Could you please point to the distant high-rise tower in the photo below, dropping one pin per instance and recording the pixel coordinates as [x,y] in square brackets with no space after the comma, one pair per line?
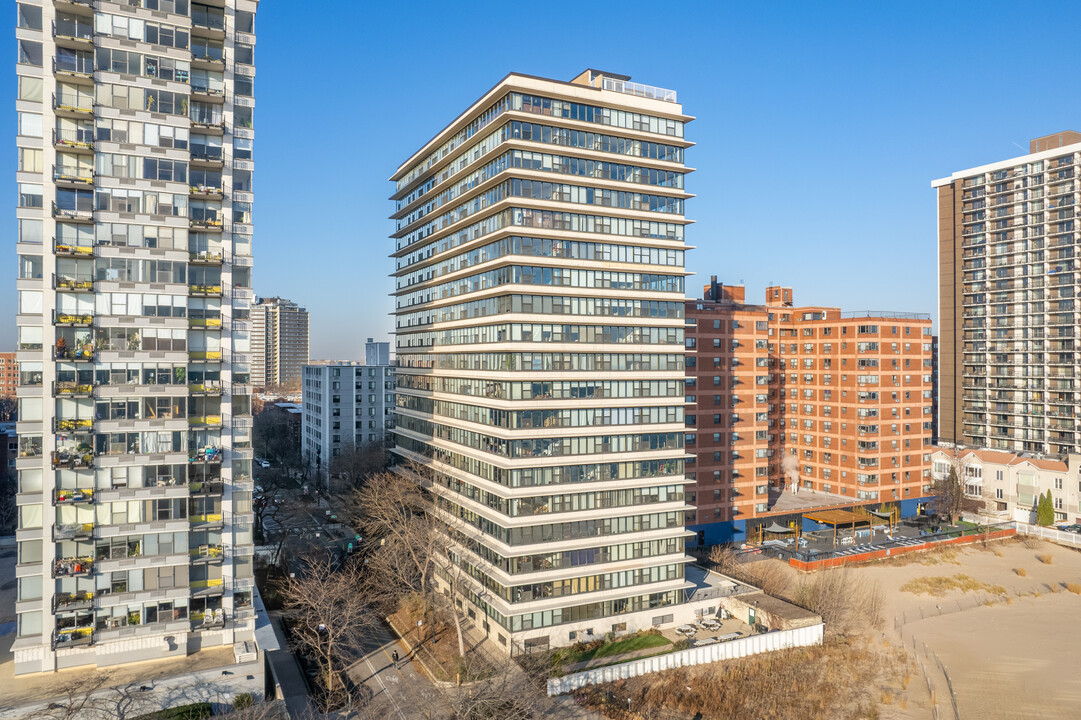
[280,340]
[1008,249]
[135,255]
[376,353]
[540,359]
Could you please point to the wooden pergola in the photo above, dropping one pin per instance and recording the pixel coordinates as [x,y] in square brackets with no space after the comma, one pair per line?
[839,518]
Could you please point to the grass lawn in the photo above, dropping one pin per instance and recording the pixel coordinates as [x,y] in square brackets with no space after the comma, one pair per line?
[618,647]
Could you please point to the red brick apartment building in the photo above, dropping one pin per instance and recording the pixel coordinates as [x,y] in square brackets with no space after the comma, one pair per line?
[838,404]
[9,374]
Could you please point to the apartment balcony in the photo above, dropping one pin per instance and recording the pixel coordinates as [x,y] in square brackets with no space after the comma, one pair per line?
[205,93]
[72,425]
[205,290]
[205,455]
[204,322]
[208,22]
[72,389]
[69,602]
[75,637]
[204,421]
[75,531]
[206,588]
[205,191]
[208,122]
[204,156]
[205,388]
[66,250]
[208,521]
[208,58]
[77,34]
[79,141]
[206,257]
[73,283]
[73,177]
[81,214]
[204,620]
[213,486]
[73,459]
[207,554]
[204,355]
[83,353]
[80,69]
[206,223]
[80,496]
[73,567]
[72,320]
[83,7]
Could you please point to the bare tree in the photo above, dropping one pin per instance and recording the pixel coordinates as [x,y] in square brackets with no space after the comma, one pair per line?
[93,697]
[8,487]
[948,491]
[329,611]
[499,695]
[772,577]
[355,463]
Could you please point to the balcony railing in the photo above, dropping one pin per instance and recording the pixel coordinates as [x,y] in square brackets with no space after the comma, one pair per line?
[207,618]
[73,175]
[206,454]
[82,353]
[204,289]
[208,487]
[204,421]
[75,531]
[210,387]
[73,458]
[81,66]
[66,602]
[72,320]
[73,283]
[84,213]
[74,637]
[73,497]
[207,552]
[73,567]
[632,88]
[73,250]
[205,322]
[77,139]
[66,29]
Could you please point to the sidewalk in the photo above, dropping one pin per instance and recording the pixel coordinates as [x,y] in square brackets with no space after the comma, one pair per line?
[562,707]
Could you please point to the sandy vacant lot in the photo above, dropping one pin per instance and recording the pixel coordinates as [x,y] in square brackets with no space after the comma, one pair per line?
[1015,658]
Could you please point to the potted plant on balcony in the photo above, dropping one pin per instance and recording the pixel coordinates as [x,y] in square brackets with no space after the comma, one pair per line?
[61,347]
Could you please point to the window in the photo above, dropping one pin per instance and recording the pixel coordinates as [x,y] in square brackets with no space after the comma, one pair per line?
[30,52]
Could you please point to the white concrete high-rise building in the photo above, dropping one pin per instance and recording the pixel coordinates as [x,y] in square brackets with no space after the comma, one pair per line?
[135,192]
[279,342]
[540,352]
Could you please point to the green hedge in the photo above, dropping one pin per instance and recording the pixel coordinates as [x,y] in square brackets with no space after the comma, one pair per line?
[195,711]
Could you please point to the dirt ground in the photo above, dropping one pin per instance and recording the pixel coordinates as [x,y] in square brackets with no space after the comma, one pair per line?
[1014,658]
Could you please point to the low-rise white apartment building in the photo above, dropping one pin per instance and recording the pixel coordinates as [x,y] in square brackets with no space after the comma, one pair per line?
[344,405]
[1010,484]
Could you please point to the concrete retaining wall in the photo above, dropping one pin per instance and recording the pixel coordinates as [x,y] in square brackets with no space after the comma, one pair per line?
[744,647]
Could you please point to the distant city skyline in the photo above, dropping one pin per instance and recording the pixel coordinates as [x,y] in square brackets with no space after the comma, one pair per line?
[820,128]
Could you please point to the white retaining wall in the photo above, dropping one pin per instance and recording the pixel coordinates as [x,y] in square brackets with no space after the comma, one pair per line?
[753,645]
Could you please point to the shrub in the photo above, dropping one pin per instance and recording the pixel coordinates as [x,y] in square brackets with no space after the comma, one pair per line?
[243,701]
[1074,588]
[1021,572]
[1045,559]
[194,711]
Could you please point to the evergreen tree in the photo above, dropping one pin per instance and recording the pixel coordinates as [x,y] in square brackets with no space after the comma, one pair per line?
[1045,510]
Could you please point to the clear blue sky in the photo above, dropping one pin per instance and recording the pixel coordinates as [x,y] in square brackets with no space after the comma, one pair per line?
[820,126]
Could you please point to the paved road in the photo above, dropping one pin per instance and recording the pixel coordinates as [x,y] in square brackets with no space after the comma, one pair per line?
[401,692]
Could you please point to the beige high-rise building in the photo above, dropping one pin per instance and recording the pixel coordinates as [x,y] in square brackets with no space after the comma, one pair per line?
[540,360]
[1008,277]
[134,242]
[279,342]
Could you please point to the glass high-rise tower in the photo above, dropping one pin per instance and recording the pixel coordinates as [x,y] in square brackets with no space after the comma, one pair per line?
[134,215]
[540,285]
